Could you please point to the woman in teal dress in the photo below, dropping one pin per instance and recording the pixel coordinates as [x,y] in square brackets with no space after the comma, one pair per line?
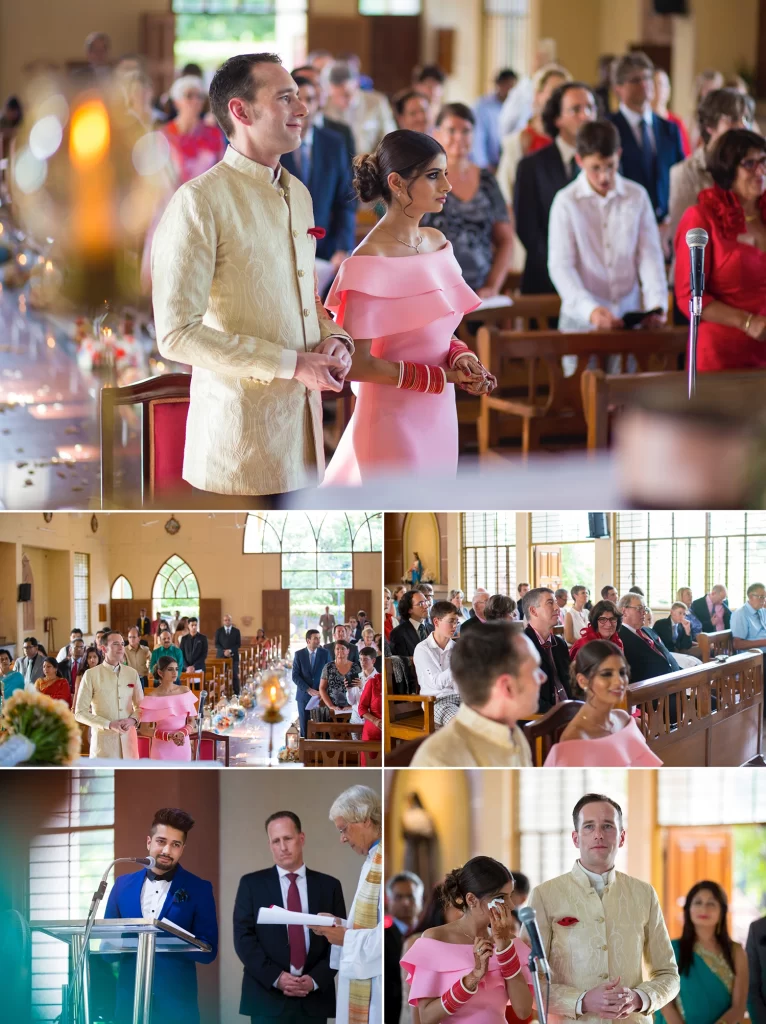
[712,967]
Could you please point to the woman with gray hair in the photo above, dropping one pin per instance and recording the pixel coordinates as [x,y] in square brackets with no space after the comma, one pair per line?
[357,952]
[456,597]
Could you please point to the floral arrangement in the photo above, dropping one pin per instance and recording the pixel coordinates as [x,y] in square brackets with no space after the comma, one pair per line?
[286,755]
[34,727]
[245,700]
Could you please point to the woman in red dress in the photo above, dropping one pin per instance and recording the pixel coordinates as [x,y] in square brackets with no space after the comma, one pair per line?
[371,709]
[52,684]
[195,146]
[603,622]
[733,327]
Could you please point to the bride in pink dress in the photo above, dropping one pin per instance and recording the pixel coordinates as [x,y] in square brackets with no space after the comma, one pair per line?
[602,734]
[401,296]
[471,968]
[171,708]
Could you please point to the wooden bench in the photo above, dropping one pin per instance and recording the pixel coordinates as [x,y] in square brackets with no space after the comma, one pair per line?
[710,733]
[543,731]
[711,645]
[559,408]
[605,395]
[335,730]
[339,753]
[406,716]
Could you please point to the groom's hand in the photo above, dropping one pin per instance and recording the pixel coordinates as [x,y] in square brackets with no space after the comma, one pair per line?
[335,347]
[609,1000]
[319,372]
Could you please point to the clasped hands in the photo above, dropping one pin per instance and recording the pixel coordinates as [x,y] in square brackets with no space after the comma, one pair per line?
[471,376]
[325,367]
[123,724]
[295,985]
[612,1001]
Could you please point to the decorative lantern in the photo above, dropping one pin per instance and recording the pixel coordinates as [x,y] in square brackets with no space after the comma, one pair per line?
[292,737]
[271,696]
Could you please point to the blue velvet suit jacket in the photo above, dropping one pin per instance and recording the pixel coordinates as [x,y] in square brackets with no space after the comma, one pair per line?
[329,183]
[190,904]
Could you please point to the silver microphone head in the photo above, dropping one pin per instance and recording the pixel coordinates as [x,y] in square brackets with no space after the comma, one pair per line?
[525,914]
[150,861]
[696,238]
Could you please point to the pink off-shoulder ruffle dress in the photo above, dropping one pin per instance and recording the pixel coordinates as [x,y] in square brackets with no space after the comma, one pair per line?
[409,307]
[169,714]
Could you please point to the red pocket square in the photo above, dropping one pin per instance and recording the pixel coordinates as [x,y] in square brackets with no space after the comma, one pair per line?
[317,233]
[567,922]
[131,685]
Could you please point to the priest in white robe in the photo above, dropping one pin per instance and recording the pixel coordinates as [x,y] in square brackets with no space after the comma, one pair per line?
[357,944]
[234,297]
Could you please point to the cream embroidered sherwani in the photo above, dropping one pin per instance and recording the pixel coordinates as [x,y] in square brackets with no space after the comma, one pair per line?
[233,287]
[613,935]
[470,739]
[103,697]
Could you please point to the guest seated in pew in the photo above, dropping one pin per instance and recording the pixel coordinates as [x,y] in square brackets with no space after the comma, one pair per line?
[576,618]
[648,618]
[561,597]
[676,633]
[475,218]
[52,683]
[498,675]
[645,652]
[338,677]
[172,709]
[604,252]
[604,621]
[733,212]
[432,662]
[10,679]
[712,610]
[609,593]
[412,628]
[411,110]
[541,613]
[602,734]
[685,594]
[748,623]
[456,598]
[341,633]
[496,608]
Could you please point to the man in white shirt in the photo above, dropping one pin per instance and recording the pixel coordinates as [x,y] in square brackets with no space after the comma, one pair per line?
[498,675]
[290,979]
[75,634]
[599,927]
[432,661]
[604,252]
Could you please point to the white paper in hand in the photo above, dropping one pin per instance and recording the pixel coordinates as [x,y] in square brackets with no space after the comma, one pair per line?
[278,915]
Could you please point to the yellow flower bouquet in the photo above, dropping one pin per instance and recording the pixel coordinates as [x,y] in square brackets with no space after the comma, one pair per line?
[34,727]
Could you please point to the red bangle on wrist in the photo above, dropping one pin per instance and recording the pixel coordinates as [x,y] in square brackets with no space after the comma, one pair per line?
[456,350]
[456,997]
[430,380]
[510,965]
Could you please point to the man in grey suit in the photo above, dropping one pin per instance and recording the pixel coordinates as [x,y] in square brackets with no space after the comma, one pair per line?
[31,664]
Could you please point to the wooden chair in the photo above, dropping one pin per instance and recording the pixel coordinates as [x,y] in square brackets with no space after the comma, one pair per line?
[195,680]
[711,645]
[412,719]
[559,409]
[218,672]
[164,402]
[210,742]
[546,730]
[339,753]
[605,395]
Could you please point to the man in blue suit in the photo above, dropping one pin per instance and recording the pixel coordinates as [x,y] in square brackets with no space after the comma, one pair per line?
[650,144]
[323,165]
[167,892]
[307,671]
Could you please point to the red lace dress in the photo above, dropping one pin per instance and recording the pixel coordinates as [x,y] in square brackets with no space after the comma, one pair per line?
[735,273]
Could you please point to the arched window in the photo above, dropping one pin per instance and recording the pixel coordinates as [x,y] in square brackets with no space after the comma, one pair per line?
[175,588]
[317,548]
[121,589]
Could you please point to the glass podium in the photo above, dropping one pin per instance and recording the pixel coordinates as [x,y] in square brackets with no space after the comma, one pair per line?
[145,938]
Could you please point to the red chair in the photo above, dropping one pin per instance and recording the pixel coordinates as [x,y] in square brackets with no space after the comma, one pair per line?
[144,746]
[164,402]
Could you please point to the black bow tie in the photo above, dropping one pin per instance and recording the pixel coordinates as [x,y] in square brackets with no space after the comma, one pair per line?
[166,877]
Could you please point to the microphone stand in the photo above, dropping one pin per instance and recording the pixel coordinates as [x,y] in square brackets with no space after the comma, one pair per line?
[695,312]
[542,1010]
[200,708]
[77,979]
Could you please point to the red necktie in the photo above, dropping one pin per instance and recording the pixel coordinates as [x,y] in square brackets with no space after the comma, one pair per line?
[295,933]
[646,639]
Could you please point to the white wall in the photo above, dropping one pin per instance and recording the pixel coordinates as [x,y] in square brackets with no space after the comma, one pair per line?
[247,799]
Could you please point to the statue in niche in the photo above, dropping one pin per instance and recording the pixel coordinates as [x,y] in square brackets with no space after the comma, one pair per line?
[420,841]
[416,571]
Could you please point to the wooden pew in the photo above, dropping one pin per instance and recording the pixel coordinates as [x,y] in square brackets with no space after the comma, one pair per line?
[335,730]
[543,731]
[339,753]
[194,680]
[413,718]
[605,395]
[712,645]
[218,673]
[560,408]
[729,736]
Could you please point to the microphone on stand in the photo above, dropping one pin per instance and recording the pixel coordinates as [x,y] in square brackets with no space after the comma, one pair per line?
[537,960]
[98,895]
[200,709]
[696,239]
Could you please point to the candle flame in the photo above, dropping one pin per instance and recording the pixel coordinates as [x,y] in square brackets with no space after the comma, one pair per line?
[273,693]
[89,134]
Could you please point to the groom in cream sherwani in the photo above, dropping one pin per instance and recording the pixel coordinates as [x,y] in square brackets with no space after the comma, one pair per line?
[108,700]
[598,926]
[234,296]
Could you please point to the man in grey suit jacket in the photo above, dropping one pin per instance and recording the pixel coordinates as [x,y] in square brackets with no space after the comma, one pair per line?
[31,664]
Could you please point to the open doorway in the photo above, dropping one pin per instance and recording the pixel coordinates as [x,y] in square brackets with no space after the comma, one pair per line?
[306,608]
[565,565]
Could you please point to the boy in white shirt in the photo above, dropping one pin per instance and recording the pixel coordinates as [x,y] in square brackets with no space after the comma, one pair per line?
[432,662]
[604,251]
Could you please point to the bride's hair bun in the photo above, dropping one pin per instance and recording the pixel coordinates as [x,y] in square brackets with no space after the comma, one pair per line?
[368,184]
[450,891]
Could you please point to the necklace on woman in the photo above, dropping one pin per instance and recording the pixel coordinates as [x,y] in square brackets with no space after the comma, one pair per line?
[417,245]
